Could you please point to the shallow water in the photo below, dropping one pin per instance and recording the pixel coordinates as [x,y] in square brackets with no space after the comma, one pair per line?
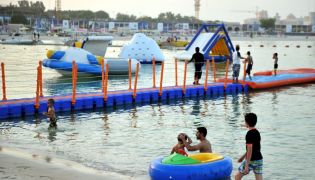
[126,139]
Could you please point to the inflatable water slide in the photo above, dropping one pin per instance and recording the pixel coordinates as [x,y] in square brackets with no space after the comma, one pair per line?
[216,44]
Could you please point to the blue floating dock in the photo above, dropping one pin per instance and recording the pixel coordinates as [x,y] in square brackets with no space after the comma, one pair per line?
[16,108]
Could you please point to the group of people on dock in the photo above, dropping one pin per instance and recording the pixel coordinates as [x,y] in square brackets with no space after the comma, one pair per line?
[251,160]
[199,59]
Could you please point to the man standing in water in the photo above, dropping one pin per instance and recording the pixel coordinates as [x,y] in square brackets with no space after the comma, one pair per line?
[204,146]
[199,61]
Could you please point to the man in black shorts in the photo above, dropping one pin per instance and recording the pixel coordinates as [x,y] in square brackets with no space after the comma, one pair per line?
[199,61]
[275,67]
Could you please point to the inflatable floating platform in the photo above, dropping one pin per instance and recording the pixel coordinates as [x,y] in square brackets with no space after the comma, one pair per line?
[201,166]
[266,79]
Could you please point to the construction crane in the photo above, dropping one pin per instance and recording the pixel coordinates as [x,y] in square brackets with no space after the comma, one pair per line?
[247,11]
[197,8]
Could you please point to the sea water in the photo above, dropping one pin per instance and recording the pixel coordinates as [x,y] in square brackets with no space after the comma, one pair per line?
[127,138]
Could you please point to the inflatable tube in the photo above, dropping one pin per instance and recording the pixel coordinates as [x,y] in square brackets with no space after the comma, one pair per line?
[87,62]
[218,169]
[61,66]
[116,66]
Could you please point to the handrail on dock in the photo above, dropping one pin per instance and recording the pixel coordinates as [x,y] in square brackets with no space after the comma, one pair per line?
[4,96]
[161,79]
[129,74]
[226,72]
[185,74]
[153,72]
[135,83]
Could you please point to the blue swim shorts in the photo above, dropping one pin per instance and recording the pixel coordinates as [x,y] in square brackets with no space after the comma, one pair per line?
[256,166]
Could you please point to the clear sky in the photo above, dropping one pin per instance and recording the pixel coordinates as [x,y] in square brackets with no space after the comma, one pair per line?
[225,10]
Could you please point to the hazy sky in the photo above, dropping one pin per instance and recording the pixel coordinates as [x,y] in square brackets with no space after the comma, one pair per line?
[226,10]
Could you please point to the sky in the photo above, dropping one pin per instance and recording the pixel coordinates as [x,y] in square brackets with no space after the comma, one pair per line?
[223,10]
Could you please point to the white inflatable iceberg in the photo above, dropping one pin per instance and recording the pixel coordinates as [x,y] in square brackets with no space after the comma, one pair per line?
[142,48]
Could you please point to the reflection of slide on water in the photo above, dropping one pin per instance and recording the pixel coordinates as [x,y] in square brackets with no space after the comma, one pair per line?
[201,41]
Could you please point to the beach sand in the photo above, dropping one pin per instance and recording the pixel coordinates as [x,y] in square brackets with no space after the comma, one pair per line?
[18,165]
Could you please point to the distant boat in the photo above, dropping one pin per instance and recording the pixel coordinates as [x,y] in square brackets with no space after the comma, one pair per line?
[18,41]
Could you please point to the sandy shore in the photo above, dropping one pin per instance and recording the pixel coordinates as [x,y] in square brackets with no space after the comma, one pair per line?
[23,166]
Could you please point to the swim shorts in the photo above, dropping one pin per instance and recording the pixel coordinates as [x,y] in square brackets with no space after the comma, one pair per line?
[256,166]
[236,70]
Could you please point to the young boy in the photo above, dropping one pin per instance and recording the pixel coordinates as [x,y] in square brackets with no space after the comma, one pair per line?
[180,146]
[250,62]
[51,114]
[252,159]
[275,67]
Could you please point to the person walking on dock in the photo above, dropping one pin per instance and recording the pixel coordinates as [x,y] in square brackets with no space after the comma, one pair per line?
[236,63]
[199,60]
[250,62]
[275,66]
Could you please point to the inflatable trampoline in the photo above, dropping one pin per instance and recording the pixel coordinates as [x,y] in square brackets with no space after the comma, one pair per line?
[266,79]
[201,166]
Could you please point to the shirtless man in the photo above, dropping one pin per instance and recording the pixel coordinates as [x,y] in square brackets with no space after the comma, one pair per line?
[204,146]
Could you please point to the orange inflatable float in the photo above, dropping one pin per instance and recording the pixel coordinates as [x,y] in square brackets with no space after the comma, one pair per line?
[266,79]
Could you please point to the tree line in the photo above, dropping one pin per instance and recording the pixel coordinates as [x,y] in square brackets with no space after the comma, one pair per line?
[25,9]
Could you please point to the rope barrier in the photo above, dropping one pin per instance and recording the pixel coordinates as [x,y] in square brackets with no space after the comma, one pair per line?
[206,78]
[176,74]
[214,70]
[129,74]
[185,74]
[37,90]
[244,77]
[40,79]
[74,80]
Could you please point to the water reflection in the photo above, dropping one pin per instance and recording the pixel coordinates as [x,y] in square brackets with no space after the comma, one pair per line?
[52,133]
[106,127]
[134,117]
